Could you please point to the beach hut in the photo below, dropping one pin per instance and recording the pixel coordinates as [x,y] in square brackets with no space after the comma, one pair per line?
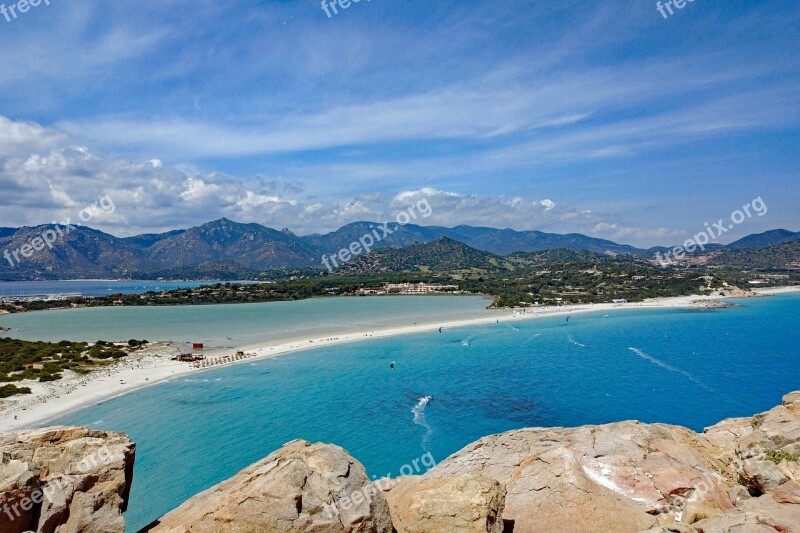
[197,346]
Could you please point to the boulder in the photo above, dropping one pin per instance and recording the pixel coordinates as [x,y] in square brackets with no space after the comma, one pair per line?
[787,493]
[64,480]
[622,477]
[300,488]
[467,504]
[756,515]
[752,446]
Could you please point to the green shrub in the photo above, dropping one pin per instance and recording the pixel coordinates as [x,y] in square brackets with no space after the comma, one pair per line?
[7,391]
[778,456]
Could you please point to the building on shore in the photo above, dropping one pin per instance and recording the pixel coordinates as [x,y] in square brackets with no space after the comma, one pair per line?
[418,288]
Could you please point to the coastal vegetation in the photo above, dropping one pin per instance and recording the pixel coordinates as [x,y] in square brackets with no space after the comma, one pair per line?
[7,391]
[785,256]
[46,361]
[522,279]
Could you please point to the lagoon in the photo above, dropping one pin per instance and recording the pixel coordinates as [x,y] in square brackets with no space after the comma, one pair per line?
[225,327]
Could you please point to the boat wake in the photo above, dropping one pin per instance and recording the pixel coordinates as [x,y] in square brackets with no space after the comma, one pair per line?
[465,342]
[419,419]
[512,327]
[670,368]
[576,343]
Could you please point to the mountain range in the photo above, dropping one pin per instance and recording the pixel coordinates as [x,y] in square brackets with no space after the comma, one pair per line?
[225,249]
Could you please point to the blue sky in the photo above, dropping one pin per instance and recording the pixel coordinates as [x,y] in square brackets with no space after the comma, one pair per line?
[597,117]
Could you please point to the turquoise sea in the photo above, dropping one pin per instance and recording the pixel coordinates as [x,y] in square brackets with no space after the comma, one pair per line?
[450,389]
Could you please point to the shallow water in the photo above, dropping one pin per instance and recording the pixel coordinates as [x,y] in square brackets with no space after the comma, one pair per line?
[228,326]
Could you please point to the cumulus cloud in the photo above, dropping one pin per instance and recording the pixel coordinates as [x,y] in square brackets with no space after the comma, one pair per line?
[452,209]
[633,234]
[47,176]
[547,204]
[20,136]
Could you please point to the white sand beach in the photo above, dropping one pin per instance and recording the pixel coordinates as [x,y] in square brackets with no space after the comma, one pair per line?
[776,290]
[155,364]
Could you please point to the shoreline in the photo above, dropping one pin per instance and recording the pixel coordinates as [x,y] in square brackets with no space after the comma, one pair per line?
[154,366]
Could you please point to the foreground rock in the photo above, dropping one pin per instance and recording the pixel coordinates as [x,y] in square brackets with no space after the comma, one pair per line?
[616,476]
[301,487]
[470,504]
[60,480]
[740,475]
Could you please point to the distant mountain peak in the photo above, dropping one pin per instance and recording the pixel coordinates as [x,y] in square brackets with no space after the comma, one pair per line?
[220,222]
[441,254]
[765,239]
[215,245]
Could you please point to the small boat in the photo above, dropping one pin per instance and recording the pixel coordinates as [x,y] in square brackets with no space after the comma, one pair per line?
[391,365]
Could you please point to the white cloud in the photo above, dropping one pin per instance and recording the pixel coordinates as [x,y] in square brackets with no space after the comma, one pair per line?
[197,189]
[546,203]
[48,177]
[21,136]
[452,209]
[665,236]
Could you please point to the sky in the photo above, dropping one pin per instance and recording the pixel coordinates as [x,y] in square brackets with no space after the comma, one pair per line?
[603,118]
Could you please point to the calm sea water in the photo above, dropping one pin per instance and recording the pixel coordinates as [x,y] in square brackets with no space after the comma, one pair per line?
[90,287]
[452,388]
[228,326]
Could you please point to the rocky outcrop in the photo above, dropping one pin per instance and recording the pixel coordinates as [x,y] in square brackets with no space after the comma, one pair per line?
[469,504]
[740,475]
[619,475]
[760,457]
[301,487]
[64,480]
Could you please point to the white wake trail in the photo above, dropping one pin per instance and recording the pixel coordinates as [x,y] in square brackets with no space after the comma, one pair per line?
[419,419]
[665,366]
[576,343]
